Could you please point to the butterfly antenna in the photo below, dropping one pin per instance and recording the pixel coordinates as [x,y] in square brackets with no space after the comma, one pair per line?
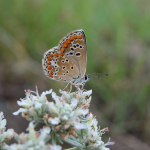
[97,75]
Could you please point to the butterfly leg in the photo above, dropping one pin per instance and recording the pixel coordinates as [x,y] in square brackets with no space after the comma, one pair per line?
[82,86]
[78,87]
[70,87]
[66,86]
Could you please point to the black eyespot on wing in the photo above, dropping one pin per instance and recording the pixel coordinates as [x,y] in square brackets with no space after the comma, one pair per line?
[77,45]
[63,67]
[71,54]
[81,46]
[72,48]
[62,61]
[67,71]
[71,67]
[67,60]
[78,54]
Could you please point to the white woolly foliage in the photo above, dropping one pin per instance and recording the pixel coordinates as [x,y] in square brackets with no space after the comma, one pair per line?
[5,136]
[66,117]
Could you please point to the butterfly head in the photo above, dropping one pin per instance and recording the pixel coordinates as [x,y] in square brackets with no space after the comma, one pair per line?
[85,78]
[81,81]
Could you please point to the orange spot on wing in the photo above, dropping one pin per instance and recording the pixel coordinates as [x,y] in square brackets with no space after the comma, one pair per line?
[61,54]
[62,50]
[75,37]
[64,45]
[49,68]
[51,74]
[80,36]
[51,55]
[71,38]
[48,63]
[68,42]
[56,54]
[49,59]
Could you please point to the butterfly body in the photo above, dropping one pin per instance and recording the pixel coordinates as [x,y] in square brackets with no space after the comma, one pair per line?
[67,61]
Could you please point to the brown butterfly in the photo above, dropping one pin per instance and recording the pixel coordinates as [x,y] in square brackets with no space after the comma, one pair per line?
[67,61]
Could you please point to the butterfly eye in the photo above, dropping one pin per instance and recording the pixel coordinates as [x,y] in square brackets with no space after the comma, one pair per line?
[85,77]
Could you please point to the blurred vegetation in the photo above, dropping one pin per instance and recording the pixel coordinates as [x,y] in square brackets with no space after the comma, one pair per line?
[118,43]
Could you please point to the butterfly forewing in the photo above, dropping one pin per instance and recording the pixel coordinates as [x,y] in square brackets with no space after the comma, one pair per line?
[73,45]
[67,61]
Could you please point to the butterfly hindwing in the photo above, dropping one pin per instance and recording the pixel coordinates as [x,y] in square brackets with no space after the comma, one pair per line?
[58,67]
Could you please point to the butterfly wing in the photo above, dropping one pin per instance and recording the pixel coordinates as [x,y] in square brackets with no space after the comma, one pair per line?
[58,66]
[73,45]
[67,61]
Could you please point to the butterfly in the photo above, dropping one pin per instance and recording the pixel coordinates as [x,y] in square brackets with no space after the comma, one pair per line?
[67,62]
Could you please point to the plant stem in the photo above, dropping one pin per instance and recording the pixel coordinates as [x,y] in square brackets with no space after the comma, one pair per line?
[53,138]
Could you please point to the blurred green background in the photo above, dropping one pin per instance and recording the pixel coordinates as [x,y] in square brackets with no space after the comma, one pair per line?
[118,43]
